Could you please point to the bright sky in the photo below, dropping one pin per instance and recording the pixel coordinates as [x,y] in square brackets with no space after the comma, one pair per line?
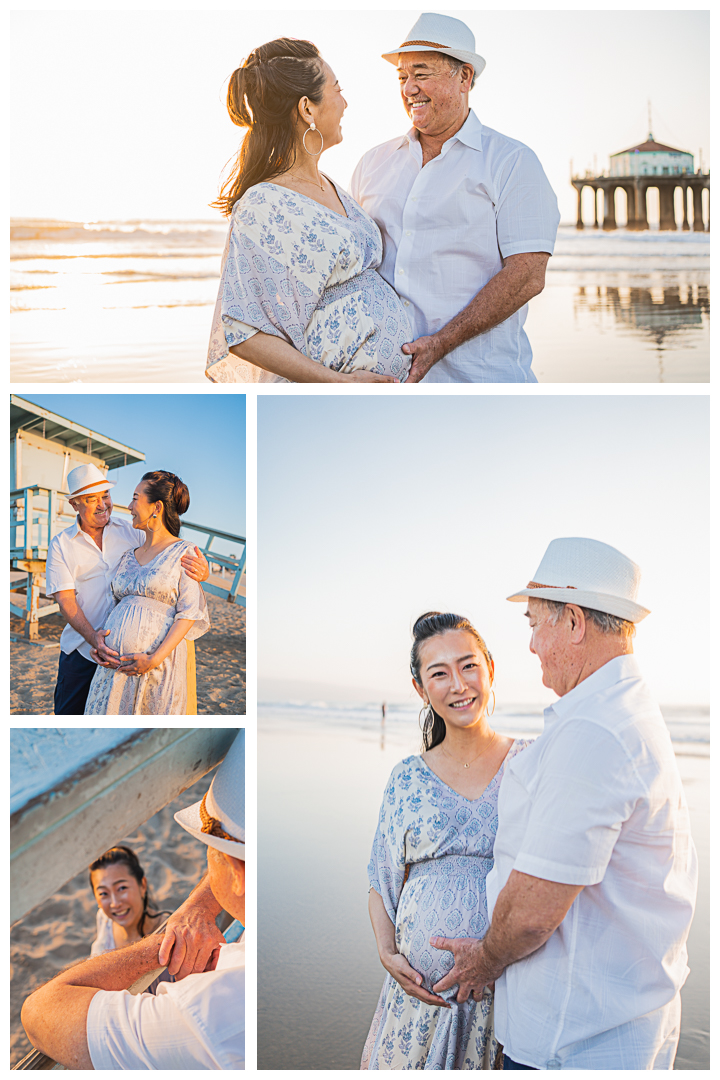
[372,510]
[199,437]
[121,114]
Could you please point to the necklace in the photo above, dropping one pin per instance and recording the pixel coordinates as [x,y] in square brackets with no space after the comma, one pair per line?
[302,180]
[467,764]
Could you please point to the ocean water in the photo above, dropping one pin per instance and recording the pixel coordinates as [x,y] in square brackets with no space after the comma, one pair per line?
[132,301]
[322,769]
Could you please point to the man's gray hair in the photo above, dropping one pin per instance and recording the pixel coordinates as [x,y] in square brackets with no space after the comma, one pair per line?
[605,623]
[455,65]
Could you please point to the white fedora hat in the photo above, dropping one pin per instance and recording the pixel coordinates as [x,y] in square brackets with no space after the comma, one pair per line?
[443,34]
[575,570]
[86,480]
[219,818]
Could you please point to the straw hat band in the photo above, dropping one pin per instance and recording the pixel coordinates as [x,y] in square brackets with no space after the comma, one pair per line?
[428,44]
[537,585]
[80,490]
[211,824]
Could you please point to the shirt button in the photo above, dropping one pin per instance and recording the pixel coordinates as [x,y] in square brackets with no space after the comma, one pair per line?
[554,1063]
[414,198]
[406,303]
[401,271]
[408,232]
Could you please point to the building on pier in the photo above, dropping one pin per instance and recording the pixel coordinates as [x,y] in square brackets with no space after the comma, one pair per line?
[647,165]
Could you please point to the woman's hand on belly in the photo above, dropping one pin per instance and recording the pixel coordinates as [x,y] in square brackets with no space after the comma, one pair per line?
[137,663]
[408,979]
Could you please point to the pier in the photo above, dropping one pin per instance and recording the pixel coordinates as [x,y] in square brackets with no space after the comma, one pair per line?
[636,189]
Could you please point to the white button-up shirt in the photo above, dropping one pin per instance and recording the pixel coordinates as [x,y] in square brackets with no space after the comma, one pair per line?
[447,228]
[74,561]
[597,801]
[198,1023]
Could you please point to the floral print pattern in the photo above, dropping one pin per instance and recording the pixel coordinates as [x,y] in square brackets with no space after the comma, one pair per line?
[148,599]
[445,842]
[297,270]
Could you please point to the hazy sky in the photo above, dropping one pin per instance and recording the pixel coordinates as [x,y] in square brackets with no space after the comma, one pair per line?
[372,510]
[121,113]
[199,437]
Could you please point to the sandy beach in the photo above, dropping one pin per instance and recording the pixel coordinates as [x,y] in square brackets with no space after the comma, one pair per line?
[320,783]
[220,660]
[60,931]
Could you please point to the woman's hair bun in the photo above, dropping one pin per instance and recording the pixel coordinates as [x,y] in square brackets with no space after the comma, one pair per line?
[181,496]
[427,615]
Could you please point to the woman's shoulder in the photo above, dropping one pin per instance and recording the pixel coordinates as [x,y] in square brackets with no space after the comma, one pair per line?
[404,770]
[518,745]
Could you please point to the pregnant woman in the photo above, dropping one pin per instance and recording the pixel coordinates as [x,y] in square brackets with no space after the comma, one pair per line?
[300,298]
[158,607]
[432,853]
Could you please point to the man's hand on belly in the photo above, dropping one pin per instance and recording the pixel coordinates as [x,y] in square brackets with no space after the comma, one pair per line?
[472,971]
[425,352]
[100,652]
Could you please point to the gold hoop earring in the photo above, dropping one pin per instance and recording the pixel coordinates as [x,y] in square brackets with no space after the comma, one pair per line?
[322,141]
[493,708]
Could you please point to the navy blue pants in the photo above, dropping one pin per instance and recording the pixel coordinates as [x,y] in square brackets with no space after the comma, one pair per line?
[508,1063]
[73,683]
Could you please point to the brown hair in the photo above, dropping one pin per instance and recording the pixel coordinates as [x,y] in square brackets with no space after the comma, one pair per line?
[427,626]
[262,95]
[167,488]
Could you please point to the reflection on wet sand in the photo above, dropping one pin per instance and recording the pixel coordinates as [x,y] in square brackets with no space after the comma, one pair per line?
[661,315]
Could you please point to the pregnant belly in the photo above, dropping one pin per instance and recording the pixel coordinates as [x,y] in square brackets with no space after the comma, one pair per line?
[442,898]
[361,324]
[136,626]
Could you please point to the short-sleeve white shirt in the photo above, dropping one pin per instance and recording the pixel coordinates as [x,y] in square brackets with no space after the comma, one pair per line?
[198,1023]
[74,561]
[597,801]
[446,229]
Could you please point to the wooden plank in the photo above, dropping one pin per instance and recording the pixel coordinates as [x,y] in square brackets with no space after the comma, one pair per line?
[54,835]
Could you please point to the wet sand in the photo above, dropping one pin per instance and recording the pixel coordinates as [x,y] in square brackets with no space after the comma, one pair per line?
[61,931]
[220,661]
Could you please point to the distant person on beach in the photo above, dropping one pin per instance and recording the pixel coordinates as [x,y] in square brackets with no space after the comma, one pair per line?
[300,299]
[432,853]
[81,564]
[158,609]
[124,914]
[85,1018]
[467,215]
[593,888]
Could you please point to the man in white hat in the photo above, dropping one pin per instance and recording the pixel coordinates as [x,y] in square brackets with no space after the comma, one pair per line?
[595,876]
[81,564]
[467,215]
[85,1018]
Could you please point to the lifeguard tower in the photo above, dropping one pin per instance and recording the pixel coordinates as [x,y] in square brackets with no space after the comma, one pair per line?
[44,447]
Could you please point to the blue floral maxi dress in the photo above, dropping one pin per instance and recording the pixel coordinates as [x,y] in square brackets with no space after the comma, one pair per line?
[297,270]
[446,842]
[148,600]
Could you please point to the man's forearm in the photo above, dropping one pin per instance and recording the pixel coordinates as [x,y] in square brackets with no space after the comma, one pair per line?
[75,616]
[503,295]
[114,970]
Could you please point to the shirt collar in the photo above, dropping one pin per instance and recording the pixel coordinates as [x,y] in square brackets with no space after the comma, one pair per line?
[74,529]
[470,133]
[616,670]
